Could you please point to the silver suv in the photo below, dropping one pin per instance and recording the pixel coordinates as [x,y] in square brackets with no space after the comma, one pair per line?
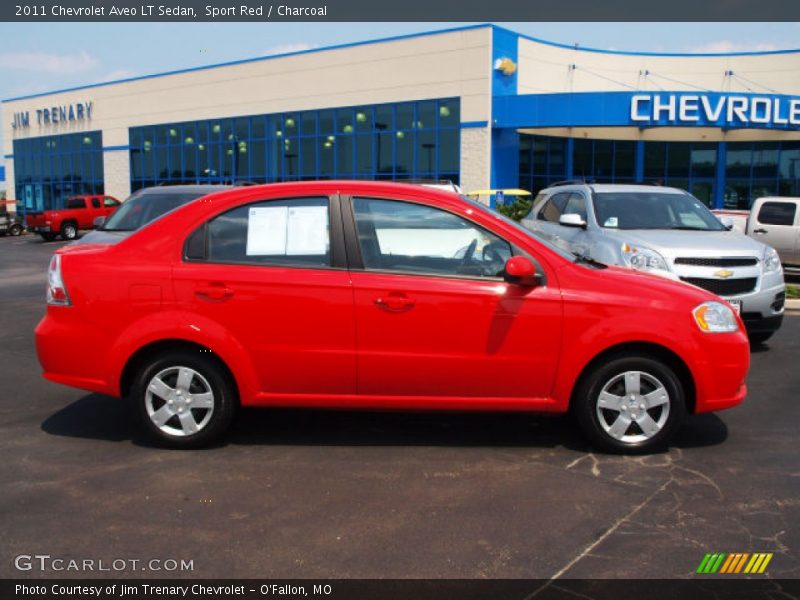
[667,232]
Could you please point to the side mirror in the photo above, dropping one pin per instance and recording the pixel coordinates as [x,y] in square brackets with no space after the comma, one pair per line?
[519,270]
[726,223]
[572,220]
[99,222]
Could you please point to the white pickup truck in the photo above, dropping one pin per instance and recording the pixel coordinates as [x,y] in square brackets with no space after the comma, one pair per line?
[773,220]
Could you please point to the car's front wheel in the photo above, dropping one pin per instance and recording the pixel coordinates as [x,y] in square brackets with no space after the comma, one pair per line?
[630,404]
[184,400]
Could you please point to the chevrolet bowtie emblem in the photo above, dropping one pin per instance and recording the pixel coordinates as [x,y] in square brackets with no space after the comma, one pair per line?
[723,273]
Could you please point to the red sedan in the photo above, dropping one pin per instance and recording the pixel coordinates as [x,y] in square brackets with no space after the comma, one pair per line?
[368,295]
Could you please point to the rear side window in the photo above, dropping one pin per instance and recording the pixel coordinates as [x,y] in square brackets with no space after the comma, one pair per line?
[76,203]
[777,213]
[95,202]
[293,232]
[554,208]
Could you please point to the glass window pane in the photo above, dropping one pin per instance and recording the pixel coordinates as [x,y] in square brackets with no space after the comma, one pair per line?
[404,153]
[624,160]
[384,117]
[426,115]
[449,150]
[308,150]
[449,115]
[704,160]
[411,238]
[364,119]
[677,160]
[364,155]
[249,234]
[738,160]
[344,156]
[426,155]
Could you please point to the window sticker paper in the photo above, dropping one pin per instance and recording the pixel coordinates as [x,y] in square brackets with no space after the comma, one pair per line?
[266,230]
[307,231]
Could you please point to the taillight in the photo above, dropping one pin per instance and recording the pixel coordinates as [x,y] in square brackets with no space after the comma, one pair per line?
[56,291]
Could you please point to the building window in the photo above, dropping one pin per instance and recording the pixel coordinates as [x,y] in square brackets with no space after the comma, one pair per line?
[47,170]
[542,161]
[384,141]
[684,165]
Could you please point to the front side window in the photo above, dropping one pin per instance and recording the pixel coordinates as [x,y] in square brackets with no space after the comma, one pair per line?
[777,213]
[554,208]
[576,205]
[411,238]
[110,202]
[281,232]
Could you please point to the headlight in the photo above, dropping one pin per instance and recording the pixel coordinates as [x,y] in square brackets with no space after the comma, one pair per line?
[715,317]
[772,261]
[643,259]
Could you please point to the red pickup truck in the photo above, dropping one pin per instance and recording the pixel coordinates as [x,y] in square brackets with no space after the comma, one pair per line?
[79,213]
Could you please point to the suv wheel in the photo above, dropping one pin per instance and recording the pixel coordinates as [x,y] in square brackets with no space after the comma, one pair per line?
[184,400]
[631,404]
[69,231]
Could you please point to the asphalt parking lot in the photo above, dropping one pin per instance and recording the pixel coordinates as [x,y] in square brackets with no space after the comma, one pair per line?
[311,494]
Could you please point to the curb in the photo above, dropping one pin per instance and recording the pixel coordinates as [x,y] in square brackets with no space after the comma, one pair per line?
[792,305]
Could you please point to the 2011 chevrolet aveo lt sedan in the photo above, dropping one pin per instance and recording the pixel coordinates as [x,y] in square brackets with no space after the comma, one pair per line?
[379,296]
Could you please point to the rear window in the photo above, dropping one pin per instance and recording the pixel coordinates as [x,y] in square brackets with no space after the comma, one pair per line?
[139,210]
[777,213]
[76,203]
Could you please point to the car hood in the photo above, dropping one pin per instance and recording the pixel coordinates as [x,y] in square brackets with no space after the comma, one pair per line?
[99,236]
[672,243]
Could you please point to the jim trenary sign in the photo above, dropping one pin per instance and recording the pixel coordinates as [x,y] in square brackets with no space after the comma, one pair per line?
[79,111]
[720,110]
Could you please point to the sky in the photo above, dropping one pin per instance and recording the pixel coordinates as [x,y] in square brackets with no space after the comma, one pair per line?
[42,57]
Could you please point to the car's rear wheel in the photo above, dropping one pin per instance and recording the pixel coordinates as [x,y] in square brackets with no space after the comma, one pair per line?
[69,231]
[15,229]
[630,404]
[184,400]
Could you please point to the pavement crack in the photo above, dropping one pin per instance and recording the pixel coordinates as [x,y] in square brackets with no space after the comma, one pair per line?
[586,551]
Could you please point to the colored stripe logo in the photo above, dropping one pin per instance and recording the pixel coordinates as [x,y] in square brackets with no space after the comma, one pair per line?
[735,562]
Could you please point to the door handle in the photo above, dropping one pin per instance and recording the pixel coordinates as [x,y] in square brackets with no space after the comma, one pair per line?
[395,303]
[760,230]
[214,291]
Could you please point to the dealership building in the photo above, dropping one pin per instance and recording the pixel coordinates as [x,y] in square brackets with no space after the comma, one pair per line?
[480,105]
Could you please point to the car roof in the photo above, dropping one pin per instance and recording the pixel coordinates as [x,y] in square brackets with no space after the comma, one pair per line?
[619,188]
[179,189]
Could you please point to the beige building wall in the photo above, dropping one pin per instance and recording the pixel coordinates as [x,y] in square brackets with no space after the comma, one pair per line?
[448,64]
[544,68]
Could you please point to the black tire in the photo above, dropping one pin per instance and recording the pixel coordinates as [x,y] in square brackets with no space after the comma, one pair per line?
[69,231]
[172,433]
[610,375]
[760,337]
[48,237]
[15,229]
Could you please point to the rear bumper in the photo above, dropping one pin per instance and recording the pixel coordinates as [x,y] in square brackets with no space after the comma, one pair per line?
[55,347]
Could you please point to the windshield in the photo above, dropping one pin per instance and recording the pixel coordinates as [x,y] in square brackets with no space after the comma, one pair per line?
[534,234]
[653,210]
[142,208]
